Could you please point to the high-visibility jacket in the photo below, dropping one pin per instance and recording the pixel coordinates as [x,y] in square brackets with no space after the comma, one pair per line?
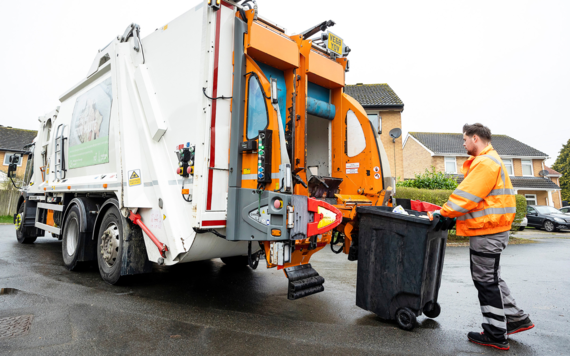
[484,202]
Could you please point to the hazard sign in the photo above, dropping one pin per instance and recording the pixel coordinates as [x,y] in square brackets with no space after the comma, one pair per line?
[135,177]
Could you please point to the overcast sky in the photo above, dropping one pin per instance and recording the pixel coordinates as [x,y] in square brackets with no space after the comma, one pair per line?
[502,63]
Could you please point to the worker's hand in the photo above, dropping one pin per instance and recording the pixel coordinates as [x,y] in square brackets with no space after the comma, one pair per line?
[436,213]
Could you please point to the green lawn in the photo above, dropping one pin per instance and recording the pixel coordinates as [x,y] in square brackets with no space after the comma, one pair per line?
[6,219]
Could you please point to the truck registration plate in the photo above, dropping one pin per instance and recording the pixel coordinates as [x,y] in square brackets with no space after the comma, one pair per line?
[335,44]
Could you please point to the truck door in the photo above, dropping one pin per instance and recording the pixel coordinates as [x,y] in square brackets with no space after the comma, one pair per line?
[358,150]
[261,152]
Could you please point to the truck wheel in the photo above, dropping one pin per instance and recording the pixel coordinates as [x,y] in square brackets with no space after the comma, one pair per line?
[110,246]
[521,228]
[235,261]
[23,233]
[434,312]
[549,226]
[71,242]
[406,319]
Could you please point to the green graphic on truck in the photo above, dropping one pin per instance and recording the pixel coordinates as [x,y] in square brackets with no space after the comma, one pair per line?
[89,131]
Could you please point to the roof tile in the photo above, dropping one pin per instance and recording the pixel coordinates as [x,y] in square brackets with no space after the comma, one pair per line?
[373,95]
[452,143]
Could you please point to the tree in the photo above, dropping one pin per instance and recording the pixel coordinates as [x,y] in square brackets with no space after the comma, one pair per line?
[562,165]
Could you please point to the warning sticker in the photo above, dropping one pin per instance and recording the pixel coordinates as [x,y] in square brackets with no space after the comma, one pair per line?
[246,171]
[352,165]
[134,177]
[377,176]
[155,219]
[376,169]
[352,171]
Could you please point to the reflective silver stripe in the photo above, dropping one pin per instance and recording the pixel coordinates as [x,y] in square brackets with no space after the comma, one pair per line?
[456,207]
[254,176]
[495,323]
[503,191]
[493,310]
[148,184]
[511,311]
[468,196]
[488,211]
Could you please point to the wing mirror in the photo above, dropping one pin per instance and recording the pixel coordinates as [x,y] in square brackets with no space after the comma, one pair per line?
[14,160]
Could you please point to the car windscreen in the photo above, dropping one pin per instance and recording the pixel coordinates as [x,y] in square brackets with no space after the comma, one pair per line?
[547,210]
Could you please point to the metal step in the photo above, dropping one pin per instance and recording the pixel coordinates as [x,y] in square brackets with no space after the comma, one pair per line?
[303,281]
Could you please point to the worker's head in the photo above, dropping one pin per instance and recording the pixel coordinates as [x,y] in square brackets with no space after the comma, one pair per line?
[475,138]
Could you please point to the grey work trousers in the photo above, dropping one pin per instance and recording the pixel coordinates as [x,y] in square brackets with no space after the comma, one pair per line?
[497,304]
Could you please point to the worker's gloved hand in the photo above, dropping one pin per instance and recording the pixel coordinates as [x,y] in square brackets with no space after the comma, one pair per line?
[436,213]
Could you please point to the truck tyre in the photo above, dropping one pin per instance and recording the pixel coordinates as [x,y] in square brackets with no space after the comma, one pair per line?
[521,228]
[71,242]
[23,234]
[434,312]
[549,226]
[406,319]
[110,245]
[236,261]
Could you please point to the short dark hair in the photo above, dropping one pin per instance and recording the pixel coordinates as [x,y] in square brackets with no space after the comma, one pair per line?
[483,132]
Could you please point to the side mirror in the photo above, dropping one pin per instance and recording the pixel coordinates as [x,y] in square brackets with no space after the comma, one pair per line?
[14,160]
[274,99]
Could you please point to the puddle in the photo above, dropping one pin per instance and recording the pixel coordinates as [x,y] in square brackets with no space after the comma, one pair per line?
[8,291]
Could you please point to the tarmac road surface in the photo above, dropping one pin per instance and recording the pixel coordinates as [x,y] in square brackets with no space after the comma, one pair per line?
[209,308]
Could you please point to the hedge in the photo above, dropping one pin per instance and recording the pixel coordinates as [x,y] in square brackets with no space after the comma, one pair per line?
[440,197]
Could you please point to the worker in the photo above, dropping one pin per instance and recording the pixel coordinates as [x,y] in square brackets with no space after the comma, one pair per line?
[484,207]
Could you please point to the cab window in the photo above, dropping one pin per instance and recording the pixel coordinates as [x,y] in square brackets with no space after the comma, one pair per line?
[257,118]
[355,140]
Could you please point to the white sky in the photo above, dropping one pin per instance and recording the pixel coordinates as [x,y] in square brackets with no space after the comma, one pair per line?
[502,63]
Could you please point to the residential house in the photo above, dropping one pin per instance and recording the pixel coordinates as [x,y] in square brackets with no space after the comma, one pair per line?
[524,164]
[384,109]
[12,142]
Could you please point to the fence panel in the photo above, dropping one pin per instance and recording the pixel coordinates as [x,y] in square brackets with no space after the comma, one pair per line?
[8,202]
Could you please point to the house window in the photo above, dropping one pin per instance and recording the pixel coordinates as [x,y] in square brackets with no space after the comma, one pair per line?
[376,121]
[7,156]
[527,167]
[509,166]
[450,165]
[530,199]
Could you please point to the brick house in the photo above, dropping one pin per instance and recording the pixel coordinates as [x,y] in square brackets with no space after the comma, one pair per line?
[384,109]
[524,164]
[12,142]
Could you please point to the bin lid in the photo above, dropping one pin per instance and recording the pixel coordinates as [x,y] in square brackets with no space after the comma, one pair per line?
[386,212]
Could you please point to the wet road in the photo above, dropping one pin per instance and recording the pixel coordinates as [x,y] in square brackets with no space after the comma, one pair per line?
[209,308]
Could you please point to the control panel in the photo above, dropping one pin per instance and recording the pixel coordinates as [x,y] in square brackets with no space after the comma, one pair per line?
[185,155]
[264,156]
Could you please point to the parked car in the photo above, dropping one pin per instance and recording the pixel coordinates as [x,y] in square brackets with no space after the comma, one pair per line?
[547,218]
[565,210]
[522,224]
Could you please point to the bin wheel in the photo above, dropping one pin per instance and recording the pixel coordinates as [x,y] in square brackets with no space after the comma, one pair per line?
[406,319]
[434,312]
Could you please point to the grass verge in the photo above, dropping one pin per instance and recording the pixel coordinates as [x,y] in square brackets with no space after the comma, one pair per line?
[6,219]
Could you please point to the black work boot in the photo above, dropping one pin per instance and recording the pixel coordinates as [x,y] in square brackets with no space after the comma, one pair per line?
[482,339]
[518,326]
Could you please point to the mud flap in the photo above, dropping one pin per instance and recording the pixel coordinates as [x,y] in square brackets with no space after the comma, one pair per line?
[135,260]
[303,281]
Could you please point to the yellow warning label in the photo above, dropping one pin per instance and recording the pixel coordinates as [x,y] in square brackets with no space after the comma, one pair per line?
[246,171]
[134,177]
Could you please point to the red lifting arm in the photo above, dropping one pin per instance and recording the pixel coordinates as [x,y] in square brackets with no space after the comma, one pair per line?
[313,227]
[136,219]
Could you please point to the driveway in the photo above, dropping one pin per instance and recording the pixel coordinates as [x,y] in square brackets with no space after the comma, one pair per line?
[208,308]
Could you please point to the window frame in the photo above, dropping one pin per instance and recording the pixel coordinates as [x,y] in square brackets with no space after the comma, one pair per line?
[445,161]
[531,168]
[526,196]
[7,155]
[510,161]
[254,75]
[377,127]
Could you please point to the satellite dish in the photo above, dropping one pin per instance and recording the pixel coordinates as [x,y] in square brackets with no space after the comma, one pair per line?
[395,133]
[543,173]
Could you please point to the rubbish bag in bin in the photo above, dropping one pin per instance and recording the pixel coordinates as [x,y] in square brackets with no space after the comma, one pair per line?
[400,260]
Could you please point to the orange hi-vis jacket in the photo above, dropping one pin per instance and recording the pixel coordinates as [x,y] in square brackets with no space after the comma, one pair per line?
[484,202]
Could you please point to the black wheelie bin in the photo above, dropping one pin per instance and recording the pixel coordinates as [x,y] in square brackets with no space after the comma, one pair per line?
[400,260]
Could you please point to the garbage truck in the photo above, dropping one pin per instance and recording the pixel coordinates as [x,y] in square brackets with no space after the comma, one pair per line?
[219,135]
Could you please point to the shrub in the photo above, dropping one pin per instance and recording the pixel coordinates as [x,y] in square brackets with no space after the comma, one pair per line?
[437,197]
[430,180]
[521,210]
